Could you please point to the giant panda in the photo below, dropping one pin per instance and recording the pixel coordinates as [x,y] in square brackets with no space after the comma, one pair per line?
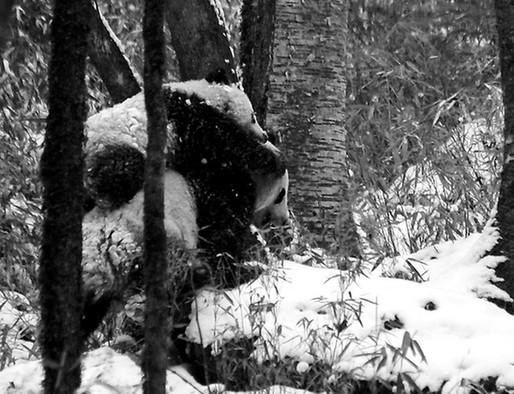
[116,137]
[213,136]
[223,175]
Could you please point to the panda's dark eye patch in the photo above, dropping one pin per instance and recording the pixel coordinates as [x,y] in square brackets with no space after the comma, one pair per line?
[280,196]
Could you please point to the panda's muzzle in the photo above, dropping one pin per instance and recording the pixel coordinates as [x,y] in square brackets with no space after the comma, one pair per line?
[271,207]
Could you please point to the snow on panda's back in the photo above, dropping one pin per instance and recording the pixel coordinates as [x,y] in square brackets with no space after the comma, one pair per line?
[126,122]
[227,99]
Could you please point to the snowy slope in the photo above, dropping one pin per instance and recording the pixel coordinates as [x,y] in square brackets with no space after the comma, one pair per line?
[436,329]
[302,309]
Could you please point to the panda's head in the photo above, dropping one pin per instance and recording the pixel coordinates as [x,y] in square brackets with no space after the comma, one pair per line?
[271,206]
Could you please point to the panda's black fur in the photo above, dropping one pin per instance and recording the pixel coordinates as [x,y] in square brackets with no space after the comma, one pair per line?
[219,157]
[218,76]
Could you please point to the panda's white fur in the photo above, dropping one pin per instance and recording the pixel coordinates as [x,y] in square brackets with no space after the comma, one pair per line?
[112,239]
[179,211]
[267,205]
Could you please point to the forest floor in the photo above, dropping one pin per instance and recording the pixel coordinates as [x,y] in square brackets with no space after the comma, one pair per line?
[419,321]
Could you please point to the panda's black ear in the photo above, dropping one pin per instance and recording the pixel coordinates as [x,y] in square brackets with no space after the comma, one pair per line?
[218,76]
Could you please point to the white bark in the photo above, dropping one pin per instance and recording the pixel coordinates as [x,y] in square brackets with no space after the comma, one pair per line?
[306,106]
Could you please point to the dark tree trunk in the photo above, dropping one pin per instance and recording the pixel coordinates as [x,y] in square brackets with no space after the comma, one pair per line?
[199,39]
[5,14]
[305,104]
[62,163]
[157,328]
[257,28]
[108,58]
[505,216]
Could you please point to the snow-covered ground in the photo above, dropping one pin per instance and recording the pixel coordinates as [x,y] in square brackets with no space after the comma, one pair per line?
[437,331]
[17,328]
[434,326]
[108,372]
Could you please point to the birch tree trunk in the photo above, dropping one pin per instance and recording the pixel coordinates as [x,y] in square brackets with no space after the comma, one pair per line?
[505,217]
[305,106]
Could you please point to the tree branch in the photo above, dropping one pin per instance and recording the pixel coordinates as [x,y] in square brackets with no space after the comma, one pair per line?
[106,54]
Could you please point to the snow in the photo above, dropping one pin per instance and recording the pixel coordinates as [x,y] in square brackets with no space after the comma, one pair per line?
[106,372]
[124,122]
[297,310]
[454,265]
[17,327]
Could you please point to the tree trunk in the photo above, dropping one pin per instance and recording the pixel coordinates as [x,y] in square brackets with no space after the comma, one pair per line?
[257,30]
[200,39]
[306,102]
[62,164]
[505,215]
[107,56]
[5,14]
[157,328]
